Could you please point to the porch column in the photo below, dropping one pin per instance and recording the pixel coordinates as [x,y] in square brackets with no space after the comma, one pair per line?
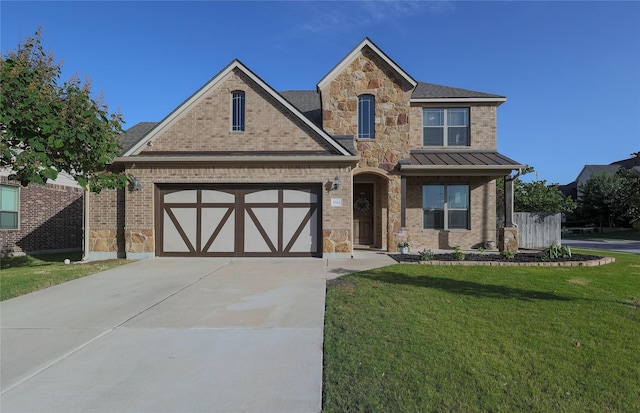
[508,236]
[403,201]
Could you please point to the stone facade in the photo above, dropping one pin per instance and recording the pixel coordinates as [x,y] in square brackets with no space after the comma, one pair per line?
[50,219]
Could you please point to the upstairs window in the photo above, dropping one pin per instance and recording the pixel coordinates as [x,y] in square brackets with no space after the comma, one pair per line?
[366,117]
[445,206]
[445,127]
[237,110]
[9,206]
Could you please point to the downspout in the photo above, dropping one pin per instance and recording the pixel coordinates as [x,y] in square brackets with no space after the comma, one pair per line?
[85,226]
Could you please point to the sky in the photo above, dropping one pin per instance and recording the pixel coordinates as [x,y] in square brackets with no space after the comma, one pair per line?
[570,70]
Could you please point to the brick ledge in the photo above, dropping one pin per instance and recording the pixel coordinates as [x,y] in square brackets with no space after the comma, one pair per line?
[589,263]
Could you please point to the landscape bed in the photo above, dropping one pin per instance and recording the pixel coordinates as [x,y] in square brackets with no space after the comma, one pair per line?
[519,259]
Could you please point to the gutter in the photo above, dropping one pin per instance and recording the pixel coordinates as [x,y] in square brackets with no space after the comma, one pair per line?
[235,159]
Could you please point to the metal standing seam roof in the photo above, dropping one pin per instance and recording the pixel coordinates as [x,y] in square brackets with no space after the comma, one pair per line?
[457,158]
[458,163]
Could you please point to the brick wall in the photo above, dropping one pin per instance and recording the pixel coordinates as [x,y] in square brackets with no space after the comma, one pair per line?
[137,219]
[206,124]
[482,215]
[50,219]
[482,126]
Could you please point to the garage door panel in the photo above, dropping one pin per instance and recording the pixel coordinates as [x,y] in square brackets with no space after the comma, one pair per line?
[261,230]
[239,220]
[175,239]
[300,237]
[218,230]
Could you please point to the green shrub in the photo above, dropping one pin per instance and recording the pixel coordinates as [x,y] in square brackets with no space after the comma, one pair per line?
[458,254]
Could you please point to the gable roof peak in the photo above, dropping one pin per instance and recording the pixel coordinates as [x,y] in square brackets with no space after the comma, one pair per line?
[365,43]
[134,149]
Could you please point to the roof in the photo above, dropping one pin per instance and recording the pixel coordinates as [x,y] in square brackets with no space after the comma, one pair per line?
[306,101]
[366,43]
[429,91]
[462,162]
[135,133]
[234,65]
[589,170]
[628,163]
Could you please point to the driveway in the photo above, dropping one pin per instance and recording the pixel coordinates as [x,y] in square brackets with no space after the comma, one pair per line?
[169,335]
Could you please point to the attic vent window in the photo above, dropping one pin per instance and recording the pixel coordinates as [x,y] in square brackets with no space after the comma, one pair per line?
[237,109]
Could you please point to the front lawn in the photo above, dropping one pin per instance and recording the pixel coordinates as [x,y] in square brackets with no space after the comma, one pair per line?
[27,273]
[632,234]
[417,338]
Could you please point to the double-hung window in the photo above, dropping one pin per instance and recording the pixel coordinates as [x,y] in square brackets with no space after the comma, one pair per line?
[445,127]
[9,206]
[237,111]
[445,206]
[366,117]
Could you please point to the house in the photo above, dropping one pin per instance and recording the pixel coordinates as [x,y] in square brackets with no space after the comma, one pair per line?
[573,189]
[40,218]
[369,158]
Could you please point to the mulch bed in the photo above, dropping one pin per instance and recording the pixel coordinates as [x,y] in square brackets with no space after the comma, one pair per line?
[523,257]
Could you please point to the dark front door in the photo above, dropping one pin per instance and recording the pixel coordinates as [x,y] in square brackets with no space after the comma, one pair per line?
[363,212]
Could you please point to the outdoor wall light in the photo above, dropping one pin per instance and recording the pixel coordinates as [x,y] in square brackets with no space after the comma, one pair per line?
[336,183]
[136,185]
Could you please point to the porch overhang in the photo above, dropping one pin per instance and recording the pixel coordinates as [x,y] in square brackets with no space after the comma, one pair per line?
[458,163]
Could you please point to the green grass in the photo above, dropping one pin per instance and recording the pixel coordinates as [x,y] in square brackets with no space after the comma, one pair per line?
[24,274]
[412,338]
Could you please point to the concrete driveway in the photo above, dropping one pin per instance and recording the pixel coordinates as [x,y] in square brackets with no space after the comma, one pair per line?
[173,335]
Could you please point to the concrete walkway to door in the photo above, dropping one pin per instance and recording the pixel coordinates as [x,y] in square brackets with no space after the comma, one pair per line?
[169,335]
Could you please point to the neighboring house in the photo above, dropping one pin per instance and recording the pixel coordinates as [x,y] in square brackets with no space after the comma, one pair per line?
[369,158]
[573,189]
[40,218]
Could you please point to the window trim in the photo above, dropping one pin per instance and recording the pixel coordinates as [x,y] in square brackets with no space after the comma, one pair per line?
[11,211]
[238,111]
[445,126]
[370,132]
[445,207]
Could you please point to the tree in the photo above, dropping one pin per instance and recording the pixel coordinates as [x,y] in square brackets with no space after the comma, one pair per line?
[597,197]
[47,128]
[536,196]
[627,196]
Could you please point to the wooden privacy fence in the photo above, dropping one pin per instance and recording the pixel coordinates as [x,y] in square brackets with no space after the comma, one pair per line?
[537,230]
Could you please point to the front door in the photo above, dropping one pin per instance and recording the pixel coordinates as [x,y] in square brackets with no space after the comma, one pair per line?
[363,213]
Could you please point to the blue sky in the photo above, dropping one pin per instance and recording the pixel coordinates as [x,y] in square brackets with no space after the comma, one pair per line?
[570,70]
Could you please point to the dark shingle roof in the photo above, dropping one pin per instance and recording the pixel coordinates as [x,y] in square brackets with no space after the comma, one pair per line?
[307,102]
[135,133]
[628,163]
[431,91]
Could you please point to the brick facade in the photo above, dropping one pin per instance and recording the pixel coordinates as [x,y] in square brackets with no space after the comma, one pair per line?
[50,219]
[124,221]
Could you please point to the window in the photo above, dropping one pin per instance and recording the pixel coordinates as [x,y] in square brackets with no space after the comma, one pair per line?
[237,109]
[366,117]
[446,127]
[9,207]
[445,206]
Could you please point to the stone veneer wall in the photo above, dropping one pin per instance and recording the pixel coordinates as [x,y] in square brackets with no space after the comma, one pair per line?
[368,74]
[482,215]
[106,224]
[139,225]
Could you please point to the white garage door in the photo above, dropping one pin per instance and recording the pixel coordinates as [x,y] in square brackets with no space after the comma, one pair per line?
[239,221]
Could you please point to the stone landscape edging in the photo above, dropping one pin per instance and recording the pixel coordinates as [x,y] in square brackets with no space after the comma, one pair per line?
[588,263]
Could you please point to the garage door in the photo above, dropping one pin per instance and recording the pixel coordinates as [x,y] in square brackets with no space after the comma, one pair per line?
[238,221]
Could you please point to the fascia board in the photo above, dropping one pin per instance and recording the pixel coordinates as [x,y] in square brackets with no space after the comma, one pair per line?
[349,58]
[236,159]
[458,170]
[459,100]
